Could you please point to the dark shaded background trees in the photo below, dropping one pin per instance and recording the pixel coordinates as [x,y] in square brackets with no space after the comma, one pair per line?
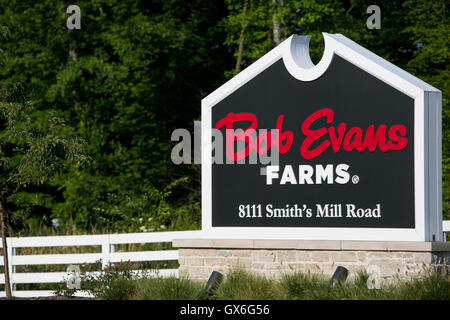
[138,69]
[34,147]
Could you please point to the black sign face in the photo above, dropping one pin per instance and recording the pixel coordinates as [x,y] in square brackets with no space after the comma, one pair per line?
[346,152]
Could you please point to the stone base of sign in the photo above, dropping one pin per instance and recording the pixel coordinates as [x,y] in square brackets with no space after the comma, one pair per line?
[199,257]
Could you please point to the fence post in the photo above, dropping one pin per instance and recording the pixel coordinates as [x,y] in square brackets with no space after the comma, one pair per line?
[106,250]
[11,267]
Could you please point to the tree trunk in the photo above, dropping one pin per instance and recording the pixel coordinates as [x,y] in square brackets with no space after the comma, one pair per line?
[5,253]
[241,40]
[276,25]
[72,55]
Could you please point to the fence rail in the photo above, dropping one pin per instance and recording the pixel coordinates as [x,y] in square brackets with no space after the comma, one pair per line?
[108,254]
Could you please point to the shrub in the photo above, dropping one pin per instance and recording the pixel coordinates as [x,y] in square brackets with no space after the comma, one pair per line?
[116,282]
[119,281]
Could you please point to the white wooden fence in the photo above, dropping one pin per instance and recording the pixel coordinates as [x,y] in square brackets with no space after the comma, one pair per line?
[108,254]
[108,243]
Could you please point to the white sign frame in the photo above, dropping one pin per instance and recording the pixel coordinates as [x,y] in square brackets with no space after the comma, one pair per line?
[294,52]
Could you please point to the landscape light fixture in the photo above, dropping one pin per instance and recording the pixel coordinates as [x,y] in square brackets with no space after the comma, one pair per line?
[213,282]
[339,276]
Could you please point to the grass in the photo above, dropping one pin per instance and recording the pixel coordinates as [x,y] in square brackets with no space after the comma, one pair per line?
[243,285]
[168,289]
[237,285]
[240,284]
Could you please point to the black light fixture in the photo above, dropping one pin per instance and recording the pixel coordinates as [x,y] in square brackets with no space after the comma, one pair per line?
[339,276]
[213,282]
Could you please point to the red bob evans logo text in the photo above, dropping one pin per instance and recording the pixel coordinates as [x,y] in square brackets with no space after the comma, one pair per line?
[334,136]
[326,134]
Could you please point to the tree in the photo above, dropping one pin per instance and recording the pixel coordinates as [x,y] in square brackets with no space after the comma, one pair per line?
[428,30]
[34,146]
[140,71]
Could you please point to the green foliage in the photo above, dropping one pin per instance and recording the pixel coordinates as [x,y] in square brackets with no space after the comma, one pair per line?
[241,284]
[305,286]
[34,146]
[119,282]
[132,74]
[115,282]
[244,285]
[429,286]
[429,29]
[137,70]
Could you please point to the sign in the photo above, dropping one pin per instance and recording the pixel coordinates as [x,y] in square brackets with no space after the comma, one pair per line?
[348,149]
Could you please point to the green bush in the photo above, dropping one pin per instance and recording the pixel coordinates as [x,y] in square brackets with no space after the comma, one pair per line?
[120,282]
[116,282]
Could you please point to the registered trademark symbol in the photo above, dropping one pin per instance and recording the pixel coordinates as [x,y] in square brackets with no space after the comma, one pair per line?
[355,179]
